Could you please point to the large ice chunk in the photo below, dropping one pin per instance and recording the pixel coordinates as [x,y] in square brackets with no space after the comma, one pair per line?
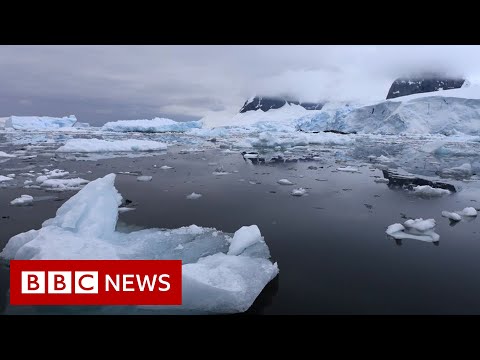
[96,145]
[39,122]
[417,229]
[213,281]
[151,126]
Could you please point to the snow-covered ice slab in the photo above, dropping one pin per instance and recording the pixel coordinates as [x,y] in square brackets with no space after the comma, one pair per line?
[220,273]
[151,126]
[417,229]
[348,169]
[39,122]
[96,145]
[22,200]
[428,191]
[5,178]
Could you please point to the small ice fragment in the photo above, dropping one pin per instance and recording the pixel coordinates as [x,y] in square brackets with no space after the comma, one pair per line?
[468,211]
[165,167]
[348,169]
[381,181]
[144,178]
[125,209]
[194,196]
[284,182]
[299,192]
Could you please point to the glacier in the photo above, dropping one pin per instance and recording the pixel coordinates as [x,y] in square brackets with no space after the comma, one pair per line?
[39,122]
[151,126]
[220,273]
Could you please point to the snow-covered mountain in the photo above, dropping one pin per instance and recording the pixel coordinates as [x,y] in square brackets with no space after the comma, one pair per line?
[423,84]
[266,103]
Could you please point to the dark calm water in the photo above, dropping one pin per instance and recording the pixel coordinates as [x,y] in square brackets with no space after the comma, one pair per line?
[331,247]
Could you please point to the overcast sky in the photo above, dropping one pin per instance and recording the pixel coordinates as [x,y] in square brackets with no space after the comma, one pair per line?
[104,83]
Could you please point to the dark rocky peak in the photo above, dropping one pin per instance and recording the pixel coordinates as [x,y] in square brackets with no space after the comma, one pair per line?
[423,84]
[266,103]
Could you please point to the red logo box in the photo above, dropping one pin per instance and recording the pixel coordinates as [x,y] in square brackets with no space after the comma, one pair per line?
[95,282]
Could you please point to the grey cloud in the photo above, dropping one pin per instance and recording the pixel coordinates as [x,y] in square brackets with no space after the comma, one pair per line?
[184,82]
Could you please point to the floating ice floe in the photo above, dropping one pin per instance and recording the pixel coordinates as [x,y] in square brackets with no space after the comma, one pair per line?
[4,154]
[5,178]
[166,167]
[22,200]
[144,178]
[451,215]
[64,184]
[284,182]
[468,211]
[298,192]
[348,169]
[220,273]
[53,174]
[125,209]
[96,145]
[428,191]
[194,196]
[417,229]
[151,126]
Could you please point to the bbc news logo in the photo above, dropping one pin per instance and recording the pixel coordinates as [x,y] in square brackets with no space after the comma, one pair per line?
[95,282]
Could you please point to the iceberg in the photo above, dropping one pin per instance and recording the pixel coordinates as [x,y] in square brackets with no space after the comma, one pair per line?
[151,126]
[39,122]
[220,273]
[417,229]
[96,145]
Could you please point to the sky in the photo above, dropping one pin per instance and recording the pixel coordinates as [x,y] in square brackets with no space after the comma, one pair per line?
[102,83]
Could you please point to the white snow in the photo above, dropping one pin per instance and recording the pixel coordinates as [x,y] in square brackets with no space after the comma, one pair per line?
[212,280]
[194,196]
[284,182]
[22,200]
[243,238]
[4,154]
[427,190]
[144,178]
[5,178]
[417,229]
[39,122]
[348,169]
[299,192]
[151,126]
[451,215]
[96,145]
[468,211]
